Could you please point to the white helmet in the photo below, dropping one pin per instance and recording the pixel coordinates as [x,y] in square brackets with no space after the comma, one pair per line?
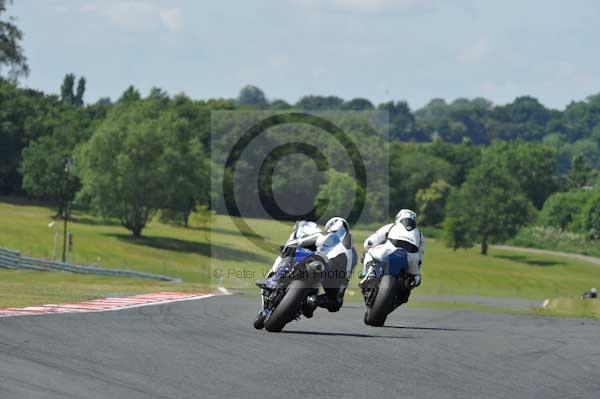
[335,224]
[400,234]
[304,228]
[407,218]
[594,291]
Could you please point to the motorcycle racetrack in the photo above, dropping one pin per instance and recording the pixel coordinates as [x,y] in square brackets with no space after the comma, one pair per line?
[208,348]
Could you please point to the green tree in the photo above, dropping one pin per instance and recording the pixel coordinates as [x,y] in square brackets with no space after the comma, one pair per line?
[412,169]
[461,158]
[489,207]
[436,110]
[68,93]
[313,103]
[431,202]
[523,109]
[11,52]
[131,94]
[61,129]
[402,121]
[122,165]
[358,104]
[580,118]
[580,172]
[100,108]
[524,118]
[43,169]
[252,96]
[335,196]
[25,116]
[279,104]
[78,99]
[66,89]
[186,168]
[533,165]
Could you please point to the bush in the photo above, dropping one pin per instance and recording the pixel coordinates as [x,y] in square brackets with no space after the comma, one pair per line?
[588,219]
[561,209]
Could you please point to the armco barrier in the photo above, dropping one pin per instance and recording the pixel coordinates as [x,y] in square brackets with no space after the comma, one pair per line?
[9,259]
[14,260]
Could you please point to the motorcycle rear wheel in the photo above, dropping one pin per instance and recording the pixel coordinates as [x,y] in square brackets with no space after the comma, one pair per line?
[384,302]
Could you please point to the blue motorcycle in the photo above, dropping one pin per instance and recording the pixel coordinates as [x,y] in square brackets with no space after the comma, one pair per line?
[285,290]
[387,283]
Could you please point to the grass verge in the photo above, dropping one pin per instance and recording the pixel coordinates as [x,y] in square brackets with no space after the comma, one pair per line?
[571,307]
[26,288]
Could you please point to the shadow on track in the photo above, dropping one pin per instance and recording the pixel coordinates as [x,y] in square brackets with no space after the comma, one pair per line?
[336,334]
[431,328]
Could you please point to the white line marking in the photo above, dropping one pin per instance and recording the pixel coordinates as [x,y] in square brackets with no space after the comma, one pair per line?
[224,290]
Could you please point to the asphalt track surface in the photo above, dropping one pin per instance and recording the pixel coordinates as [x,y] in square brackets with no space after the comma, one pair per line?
[208,349]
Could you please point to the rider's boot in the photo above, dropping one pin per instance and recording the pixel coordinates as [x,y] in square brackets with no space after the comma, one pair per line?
[309,306]
[331,300]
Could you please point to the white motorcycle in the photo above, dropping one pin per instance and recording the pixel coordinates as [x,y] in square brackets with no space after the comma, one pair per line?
[387,283]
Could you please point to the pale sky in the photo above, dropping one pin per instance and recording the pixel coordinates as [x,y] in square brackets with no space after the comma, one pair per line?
[382,50]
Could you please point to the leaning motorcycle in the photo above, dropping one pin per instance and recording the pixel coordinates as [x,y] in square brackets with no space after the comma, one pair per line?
[387,283]
[286,290]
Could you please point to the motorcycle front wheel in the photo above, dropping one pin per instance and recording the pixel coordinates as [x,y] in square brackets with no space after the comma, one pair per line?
[259,322]
[290,305]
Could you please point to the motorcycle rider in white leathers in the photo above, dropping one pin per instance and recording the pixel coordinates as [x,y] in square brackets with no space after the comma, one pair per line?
[336,247]
[302,229]
[403,233]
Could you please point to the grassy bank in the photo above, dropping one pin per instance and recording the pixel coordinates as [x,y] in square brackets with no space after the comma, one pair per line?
[555,240]
[194,253]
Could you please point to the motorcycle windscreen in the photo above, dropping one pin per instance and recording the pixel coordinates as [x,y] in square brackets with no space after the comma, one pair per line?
[396,263]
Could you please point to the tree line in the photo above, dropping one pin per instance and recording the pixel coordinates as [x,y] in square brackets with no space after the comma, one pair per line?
[481,171]
[138,155]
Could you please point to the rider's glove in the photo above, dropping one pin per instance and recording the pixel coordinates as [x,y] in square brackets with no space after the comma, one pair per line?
[288,250]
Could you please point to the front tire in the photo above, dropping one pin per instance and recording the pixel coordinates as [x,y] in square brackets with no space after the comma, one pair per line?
[290,305]
[384,302]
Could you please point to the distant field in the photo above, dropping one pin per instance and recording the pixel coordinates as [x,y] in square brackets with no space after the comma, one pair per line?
[186,253]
